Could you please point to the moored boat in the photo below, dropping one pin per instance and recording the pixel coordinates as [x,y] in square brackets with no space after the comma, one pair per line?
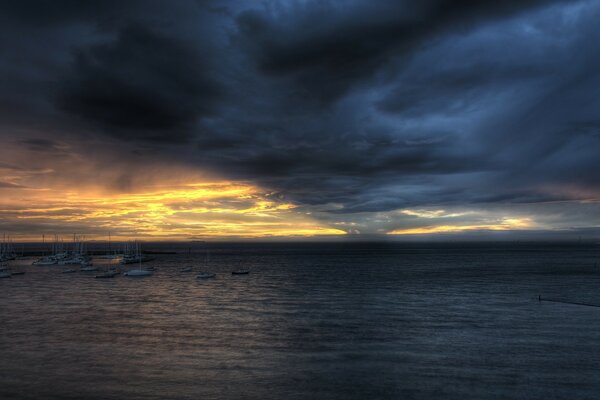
[240,272]
[138,273]
[205,275]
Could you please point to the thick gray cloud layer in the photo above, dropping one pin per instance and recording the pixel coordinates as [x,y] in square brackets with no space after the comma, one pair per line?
[345,107]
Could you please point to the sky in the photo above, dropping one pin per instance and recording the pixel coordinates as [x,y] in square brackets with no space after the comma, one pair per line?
[397,120]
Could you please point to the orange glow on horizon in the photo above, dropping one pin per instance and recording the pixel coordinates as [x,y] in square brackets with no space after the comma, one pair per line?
[183,212]
[505,224]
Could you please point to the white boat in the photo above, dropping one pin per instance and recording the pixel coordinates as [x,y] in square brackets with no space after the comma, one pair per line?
[50,260]
[58,254]
[138,273]
[139,259]
[74,261]
[205,275]
[133,254]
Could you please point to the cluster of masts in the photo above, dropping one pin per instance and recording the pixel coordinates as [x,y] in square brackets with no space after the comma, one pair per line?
[61,256]
[7,252]
[77,255]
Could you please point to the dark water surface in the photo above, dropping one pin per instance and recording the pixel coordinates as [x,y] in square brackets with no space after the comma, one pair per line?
[320,321]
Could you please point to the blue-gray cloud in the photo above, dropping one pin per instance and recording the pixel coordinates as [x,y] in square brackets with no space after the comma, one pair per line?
[343,107]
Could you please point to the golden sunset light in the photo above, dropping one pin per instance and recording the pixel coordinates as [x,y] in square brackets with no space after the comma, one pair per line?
[506,224]
[191,211]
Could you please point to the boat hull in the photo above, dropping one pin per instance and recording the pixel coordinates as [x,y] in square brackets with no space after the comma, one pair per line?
[137,273]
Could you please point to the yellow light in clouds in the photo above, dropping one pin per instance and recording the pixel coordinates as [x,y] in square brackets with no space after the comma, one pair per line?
[432,213]
[183,212]
[505,224]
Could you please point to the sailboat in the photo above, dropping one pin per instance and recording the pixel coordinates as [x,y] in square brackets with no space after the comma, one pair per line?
[57,256]
[87,267]
[109,254]
[132,254]
[206,275]
[78,256]
[138,272]
[203,274]
[7,252]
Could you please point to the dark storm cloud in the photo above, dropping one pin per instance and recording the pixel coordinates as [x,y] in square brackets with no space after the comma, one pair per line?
[343,107]
[142,85]
[326,47]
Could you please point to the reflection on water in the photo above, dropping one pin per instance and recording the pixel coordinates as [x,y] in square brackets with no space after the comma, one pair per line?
[328,321]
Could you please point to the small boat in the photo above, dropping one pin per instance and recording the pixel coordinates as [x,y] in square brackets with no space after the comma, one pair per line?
[138,273]
[241,272]
[5,274]
[105,275]
[68,271]
[134,255]
[185,269]
[46,261]
[18,273]
[205,275]
[88,268]
[110,273]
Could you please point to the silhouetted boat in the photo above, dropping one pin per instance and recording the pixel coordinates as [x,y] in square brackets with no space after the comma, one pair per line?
[69,271]
[205,275]
[18,273]
[240,272]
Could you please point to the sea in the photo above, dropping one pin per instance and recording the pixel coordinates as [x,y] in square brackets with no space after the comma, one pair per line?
[310,321]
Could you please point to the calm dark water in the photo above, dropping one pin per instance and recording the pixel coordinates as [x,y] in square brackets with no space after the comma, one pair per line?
[320,321]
